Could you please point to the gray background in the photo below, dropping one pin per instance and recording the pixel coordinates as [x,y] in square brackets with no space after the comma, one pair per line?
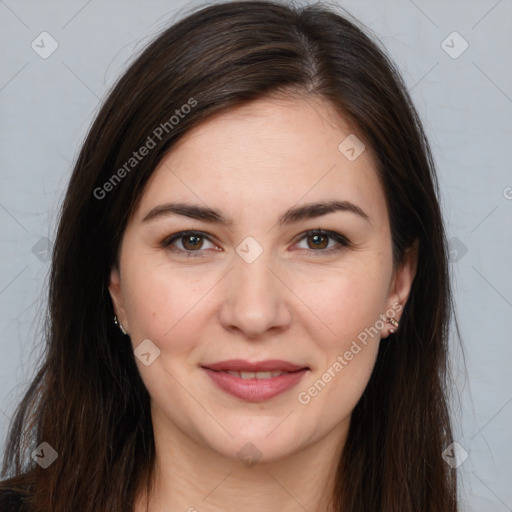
[465,102]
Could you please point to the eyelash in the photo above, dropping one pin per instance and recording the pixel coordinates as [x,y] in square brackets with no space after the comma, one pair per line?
[342,241]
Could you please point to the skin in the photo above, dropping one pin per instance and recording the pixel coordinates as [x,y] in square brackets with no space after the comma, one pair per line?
[295,302]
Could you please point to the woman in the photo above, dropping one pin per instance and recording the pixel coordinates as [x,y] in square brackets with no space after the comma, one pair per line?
[249,298]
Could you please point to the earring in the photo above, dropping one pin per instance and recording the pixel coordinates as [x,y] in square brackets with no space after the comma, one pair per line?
[394,323]
[119,324]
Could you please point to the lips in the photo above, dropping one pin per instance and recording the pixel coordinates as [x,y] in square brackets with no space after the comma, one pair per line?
[255,382]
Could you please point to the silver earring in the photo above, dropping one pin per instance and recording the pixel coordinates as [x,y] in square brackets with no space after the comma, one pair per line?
[394,323]
[119,324]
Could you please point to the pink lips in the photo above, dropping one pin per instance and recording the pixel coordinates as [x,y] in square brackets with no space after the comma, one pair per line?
[255,389]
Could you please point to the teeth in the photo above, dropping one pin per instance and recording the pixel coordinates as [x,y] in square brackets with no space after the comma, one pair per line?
[256,375]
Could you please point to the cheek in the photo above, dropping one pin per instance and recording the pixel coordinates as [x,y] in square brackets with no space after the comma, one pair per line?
[345,302]
[350,305]
[164,304]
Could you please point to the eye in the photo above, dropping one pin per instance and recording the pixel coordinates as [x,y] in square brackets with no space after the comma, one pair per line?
[317,240]
[191,242]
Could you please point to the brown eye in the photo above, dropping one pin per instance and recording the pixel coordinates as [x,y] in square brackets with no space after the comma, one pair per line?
[323,242]
[191,242]
[318,241]
[188,243]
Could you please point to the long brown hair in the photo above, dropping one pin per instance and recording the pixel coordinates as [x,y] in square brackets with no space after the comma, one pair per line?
[88,400]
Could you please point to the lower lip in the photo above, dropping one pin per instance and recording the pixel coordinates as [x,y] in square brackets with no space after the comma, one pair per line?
[255,390]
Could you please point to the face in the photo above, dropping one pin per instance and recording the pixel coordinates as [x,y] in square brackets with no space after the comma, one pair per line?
[227,265]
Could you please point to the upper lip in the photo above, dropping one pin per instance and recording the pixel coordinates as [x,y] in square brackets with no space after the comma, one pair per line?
[261,366]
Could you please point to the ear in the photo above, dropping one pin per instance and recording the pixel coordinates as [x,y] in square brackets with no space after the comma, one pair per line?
[401,286]
[114,288]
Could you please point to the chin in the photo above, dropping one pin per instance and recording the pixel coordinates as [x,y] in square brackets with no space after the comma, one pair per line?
[255,442]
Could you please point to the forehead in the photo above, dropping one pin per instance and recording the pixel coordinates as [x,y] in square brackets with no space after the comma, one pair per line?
[273,151]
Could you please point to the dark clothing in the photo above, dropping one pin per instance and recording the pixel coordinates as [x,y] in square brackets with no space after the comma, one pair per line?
[11,501]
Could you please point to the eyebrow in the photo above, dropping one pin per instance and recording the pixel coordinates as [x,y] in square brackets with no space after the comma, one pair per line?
[294,214]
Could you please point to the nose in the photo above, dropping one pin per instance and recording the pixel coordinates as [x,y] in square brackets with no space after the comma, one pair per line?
[256,299]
